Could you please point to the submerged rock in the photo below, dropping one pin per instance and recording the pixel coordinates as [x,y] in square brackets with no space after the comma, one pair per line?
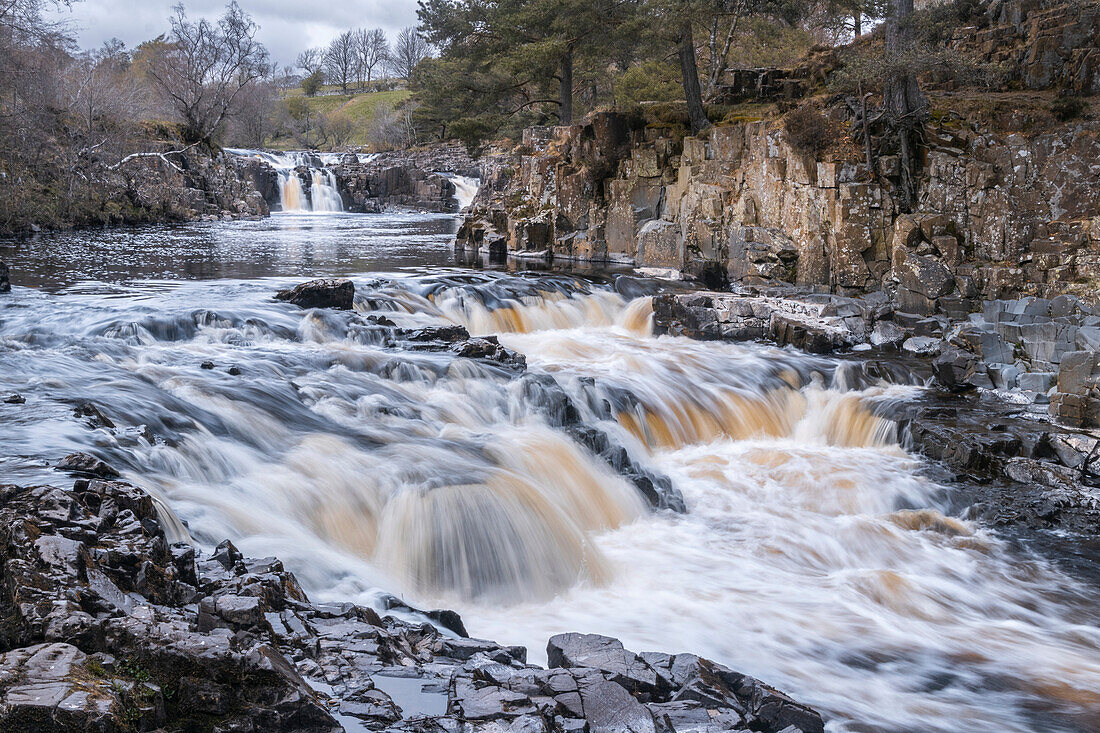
[110,628]
[320,294]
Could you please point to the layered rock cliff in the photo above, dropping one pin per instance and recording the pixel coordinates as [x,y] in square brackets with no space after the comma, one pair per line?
[1007,205]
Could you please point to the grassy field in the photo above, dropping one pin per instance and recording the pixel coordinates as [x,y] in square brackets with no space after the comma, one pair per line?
[359,108]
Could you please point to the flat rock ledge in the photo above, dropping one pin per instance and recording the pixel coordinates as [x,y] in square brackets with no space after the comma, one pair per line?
[108,627]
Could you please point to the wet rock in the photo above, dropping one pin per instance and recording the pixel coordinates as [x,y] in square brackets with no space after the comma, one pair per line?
[94,415]
[15,399]
[233,371]
[954,368]
[5,282]
[338,294]
[206,365]
[86,464]
[657,489]
[607,655]
[116,630]
[445,334]
[489,349]
[922,345]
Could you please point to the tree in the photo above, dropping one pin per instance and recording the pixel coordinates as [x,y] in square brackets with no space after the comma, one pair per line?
[409,49]
[311,60]
[508,63]
[206,67]
[340,59]
[373,50]
[313,83]
[689,70]
[905,107]
[254,121]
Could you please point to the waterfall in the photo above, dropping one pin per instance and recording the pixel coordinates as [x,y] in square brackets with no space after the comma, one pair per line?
[291,195]
[325,191]
[324,195]
[466,188]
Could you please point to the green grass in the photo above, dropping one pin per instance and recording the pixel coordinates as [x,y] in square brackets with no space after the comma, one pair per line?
[360,108]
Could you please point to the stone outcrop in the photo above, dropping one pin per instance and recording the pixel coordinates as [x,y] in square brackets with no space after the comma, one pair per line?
[998,215]
[1046,43]
[408,179]
[208,188]
[109,627]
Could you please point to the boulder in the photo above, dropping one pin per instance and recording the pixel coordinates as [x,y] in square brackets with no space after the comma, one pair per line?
[5,282]
[926,276]
[320,294]
[607,655]
[86,464]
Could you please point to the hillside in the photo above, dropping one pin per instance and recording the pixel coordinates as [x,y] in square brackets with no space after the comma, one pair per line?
[359,109]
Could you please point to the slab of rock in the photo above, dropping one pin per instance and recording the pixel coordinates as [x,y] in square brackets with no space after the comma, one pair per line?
[337,294]
[86,464]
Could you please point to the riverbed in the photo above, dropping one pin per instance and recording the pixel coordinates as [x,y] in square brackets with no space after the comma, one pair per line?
[814,554]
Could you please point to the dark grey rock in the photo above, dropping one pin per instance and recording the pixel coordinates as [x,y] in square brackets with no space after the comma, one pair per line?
[86,464]
[1036,381]
[626,668]
[338,294]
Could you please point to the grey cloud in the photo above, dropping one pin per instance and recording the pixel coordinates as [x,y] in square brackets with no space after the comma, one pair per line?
[286,26]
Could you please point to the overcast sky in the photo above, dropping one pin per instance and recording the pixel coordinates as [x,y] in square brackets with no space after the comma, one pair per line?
[286,26]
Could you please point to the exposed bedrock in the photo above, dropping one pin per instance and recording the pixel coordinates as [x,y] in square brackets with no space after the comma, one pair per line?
[108,627]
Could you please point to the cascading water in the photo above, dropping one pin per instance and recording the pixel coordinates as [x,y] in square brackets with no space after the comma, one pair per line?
[466,188]
[814,553]
[324,191]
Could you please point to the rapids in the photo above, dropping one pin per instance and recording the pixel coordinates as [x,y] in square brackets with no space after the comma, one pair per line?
[815,553]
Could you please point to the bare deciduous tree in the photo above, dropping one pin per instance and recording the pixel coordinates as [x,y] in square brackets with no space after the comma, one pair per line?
[373,48]
[409,49]
[206,67]
[311,60]
[340,59]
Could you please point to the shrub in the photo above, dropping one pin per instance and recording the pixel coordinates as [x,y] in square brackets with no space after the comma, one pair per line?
[312,83]
[1066,108]
[807,130]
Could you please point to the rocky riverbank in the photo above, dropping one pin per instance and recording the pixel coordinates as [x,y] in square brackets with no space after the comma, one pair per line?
[109,627]
[186,186]
[1014,395]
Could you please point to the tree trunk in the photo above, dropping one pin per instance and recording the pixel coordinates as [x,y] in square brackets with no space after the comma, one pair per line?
[857,24]
[565,112]
[904,105]
[690,71]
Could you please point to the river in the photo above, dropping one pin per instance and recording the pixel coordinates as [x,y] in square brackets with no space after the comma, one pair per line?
[815,553]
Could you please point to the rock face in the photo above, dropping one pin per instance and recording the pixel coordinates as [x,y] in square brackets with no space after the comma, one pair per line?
[998,215]
[408,179]
[208,188]
[816,323]
[338,294]
[1044,42]
[370,187]
[108,628]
